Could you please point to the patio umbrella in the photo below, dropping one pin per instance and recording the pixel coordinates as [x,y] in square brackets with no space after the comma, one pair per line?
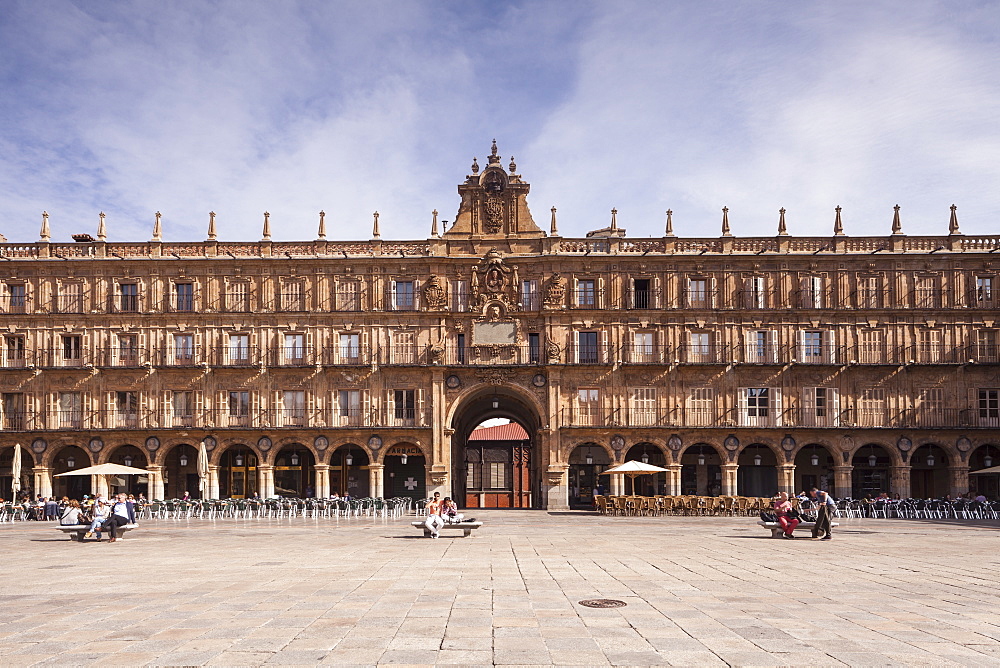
[992,469]
[202,467]
[15,470]
[633,469]
[107,470]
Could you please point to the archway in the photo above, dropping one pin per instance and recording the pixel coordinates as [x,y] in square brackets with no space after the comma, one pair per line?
[984,457]
[647,485]
[814,468]
[701,471]
[129,455]
[929,472]
[70,458]
[405,472]
[870,476]
[293,472]
[7,469]
[237,473]
[180,473]
[498,468]
[758,471]
[349,471]
[585,465]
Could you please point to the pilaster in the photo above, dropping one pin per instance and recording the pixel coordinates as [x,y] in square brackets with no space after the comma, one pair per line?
[786,478]
[958,480]
[213,481]
[674,479]
[265,477]
[899,481]
[842,481]
[43,480]
[375,480]
[729,479]
[322,481]
[155,487]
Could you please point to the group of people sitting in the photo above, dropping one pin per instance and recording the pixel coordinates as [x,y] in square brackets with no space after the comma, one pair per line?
[789,518]
[101,515]
[440,513]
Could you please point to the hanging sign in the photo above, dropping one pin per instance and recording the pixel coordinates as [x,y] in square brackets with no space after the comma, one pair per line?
[408,450]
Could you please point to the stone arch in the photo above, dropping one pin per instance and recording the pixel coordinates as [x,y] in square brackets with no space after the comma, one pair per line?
[404,479]
[719,450]
[929,475]
[215,457]
[306,443]
[568,450]
[753,479]
[61,458]
[6,469]
[819,474]
[416,442]
[294,468]
[349,478]
[779,454]
[895,458]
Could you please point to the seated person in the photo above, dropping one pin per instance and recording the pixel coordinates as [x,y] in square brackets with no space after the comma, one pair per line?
[70,515]
[99,513]
[121,512]
[449,511]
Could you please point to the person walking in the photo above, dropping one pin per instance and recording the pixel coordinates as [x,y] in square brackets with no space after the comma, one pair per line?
[826,508]
[434,520]
[783,510]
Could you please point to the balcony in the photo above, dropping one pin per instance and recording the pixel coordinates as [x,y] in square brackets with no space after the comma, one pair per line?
[492,355]
[14,304]
[292,301]
[182,356]
[645,354]
[869,299]
[14,359]
[288,417]
[348,417]
[236,302]
[69,304]
[586,416]
[403,354]
[700,299]
[126,304]
[60,358]
[927,298]
[20,420]
[588,298]
[984,353]
[754,353]
[874,353]
[643,299]
[404,417]
[935,353]
[346,356]
[813,299]
[811,417]
[704,353]
[236,356]
[122,357]
[293,356]
[819,354]
[590,354]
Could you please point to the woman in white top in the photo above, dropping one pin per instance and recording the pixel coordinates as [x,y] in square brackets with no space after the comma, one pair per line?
[70,515]
[99,513]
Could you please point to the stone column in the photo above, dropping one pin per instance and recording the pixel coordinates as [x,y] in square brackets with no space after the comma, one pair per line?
[674,479]
[99,484]
[958,480]
[265,480]
[899,481]
[842,481]
[557,479]
[617,485]
[213,481]
[729,486]
[375,480]
[43,480]
[155,485]
[322,481]
[786,478]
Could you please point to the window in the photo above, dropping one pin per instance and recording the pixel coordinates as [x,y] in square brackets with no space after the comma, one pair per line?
[403,295]
[928,346]
[71,298]
[238,351]
[127,353]
[182,403]
[586,293]
[930,407]
[812,292]
[758,402]
[184,296]
[699,347]
[128,297]
[989,408]
[293,296]
[701,407]
[294,350]
[238,297]
[534,348]
[404,348]
[13,351]
[183,350]
[587,351]
[754,293]
[529,295]
[821,407]
[497,474]
[872,407]
[348,296]
[697,293]
[984,291]
[760,407]
[348,408]
[641,293]
[643,349]
[761,346]
[986,346]
[459,296]
[349,352]
[293,407]
[868,292]
[872,347]
[643,406]
[126,410]
[925,293]
[588,406]
[239,408]
[70,410]
[812,347]
[404,407]
[72,350]
[16,298]
[13,411]
[460,345]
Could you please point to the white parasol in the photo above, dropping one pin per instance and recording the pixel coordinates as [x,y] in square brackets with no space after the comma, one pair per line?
[202,468]
[107,470]
[15,470]
[633,469]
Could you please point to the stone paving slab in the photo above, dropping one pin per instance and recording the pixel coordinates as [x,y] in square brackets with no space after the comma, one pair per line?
[699,592]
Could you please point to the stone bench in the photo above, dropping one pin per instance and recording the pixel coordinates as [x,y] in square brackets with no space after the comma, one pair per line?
[81,530]
[466,527]
[777,531]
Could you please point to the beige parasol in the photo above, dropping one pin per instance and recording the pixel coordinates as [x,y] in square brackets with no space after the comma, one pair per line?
[633,469]
[15,471]
[106,470]
[202,468]
[992,469]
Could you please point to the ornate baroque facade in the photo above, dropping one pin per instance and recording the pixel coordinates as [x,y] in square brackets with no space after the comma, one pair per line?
[863,364]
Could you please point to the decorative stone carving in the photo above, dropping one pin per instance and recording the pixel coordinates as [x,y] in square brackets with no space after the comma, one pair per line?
[495,376]
[555,291]
[552,351]
[434,294]
[436,352]
[493,280]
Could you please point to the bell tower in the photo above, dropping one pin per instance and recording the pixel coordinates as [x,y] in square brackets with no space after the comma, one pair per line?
[494,204]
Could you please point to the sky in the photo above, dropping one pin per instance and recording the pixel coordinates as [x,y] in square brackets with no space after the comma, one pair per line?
[351,107]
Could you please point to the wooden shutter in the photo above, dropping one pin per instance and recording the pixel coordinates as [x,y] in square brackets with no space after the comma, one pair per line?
[743,418]
[777,408]
[833,401]
[420,419]
[831,345]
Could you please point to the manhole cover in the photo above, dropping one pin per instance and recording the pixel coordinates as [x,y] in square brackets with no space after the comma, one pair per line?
[602,603]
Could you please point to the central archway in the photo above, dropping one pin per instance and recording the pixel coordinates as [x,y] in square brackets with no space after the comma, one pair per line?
[502,471]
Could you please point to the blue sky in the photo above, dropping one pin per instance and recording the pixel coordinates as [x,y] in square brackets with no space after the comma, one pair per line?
[292,107]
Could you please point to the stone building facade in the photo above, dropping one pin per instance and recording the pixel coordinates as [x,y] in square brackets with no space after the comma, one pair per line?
[863,364]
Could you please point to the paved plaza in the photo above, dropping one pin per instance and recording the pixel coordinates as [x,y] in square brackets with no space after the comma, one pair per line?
[699,592]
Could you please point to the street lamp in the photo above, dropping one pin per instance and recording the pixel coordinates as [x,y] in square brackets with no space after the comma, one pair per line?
[127,460]
[184,460]
[295,460]
[496,402]
[988,461]
[872,460]
[349,459]
[814,460]
[701,460]
[930,460]
[645,458]
[590,460]
[70,462]
[757,459]
[239,460]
